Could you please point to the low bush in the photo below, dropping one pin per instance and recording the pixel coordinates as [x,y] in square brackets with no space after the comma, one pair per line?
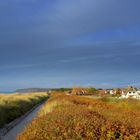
[79,118]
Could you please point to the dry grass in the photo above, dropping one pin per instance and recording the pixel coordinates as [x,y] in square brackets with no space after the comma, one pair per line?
[79,118]
[15,105]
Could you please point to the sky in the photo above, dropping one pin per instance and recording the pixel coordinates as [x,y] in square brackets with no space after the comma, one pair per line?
[66,43]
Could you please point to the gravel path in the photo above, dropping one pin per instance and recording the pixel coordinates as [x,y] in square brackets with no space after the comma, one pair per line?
[11,135]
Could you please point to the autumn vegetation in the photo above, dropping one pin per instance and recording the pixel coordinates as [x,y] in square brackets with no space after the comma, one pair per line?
[84,91]
[13,106]
[70,117]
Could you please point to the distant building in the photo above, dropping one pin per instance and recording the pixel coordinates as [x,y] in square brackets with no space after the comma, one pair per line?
[103,92]
[79,91]
[112,92]
[130,93]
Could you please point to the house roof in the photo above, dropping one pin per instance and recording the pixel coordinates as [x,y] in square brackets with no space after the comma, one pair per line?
[129,89]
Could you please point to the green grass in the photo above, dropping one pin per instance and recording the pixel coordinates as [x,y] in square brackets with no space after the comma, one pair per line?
[13,106]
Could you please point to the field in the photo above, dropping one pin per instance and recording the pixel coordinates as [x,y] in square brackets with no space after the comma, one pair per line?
[13,106]
[66,117]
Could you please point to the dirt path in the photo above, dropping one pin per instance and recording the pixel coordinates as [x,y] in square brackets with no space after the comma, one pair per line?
[11,135]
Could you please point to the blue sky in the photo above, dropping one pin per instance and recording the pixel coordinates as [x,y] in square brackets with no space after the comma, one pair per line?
[64,43]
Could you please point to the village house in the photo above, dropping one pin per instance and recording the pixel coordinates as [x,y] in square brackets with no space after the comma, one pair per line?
[79,91]
[112,92]
[103,92]
[130,92]
[85,91]
[115,92]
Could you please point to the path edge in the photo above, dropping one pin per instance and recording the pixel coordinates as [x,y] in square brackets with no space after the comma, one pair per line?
[8,127]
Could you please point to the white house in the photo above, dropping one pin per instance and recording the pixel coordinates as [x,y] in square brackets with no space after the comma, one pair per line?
[112,92]
[131,93]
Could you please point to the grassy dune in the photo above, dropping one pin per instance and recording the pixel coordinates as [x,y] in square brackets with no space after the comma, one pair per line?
[15,105]
[74,118]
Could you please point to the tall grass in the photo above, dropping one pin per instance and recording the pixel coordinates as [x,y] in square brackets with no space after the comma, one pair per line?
[79,118]
[15,105]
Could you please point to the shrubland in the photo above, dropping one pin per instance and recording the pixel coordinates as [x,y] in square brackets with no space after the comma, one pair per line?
[66,117]
[13,106]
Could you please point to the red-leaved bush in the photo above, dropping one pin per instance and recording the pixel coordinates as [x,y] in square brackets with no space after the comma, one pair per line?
[80,118]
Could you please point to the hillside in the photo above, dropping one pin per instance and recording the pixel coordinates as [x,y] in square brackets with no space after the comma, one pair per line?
[80,118]
[31,90]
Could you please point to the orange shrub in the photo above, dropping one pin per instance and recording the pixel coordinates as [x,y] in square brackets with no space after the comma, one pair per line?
[77,118]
